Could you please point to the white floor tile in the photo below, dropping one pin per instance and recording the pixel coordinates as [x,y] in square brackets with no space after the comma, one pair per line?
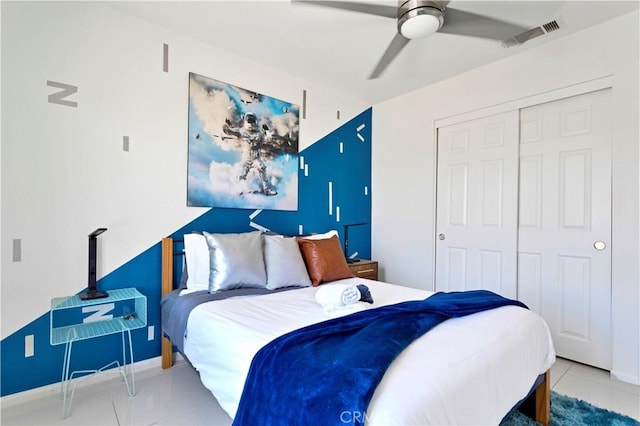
[207,414]
[594,386]
[562,364]
[602,377]
[88,408]
[558,369]
[160,396]
[177,397]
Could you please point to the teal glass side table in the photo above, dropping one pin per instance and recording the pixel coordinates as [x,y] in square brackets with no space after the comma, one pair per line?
[122,311]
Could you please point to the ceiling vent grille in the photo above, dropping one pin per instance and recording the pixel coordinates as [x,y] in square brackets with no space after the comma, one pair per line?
[551,26]
[532,33]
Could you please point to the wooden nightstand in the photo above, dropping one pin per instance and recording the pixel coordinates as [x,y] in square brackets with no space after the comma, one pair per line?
[365,269]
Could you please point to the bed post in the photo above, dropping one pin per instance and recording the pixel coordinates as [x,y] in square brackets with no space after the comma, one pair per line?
[537,405]
[167,286]
[543,400]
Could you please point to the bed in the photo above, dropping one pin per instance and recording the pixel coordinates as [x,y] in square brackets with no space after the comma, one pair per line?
[470,370]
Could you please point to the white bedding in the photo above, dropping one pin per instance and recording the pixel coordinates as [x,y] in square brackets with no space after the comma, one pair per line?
[469,370]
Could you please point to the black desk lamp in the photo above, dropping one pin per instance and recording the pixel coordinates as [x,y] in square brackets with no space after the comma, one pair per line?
[92,292]
[346,241]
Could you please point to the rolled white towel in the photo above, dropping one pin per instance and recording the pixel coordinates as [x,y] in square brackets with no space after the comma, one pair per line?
[339,299]
[337,295]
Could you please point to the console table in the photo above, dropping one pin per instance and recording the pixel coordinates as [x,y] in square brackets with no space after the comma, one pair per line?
[122,311]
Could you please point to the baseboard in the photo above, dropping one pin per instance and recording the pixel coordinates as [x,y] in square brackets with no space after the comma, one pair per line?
[43,391]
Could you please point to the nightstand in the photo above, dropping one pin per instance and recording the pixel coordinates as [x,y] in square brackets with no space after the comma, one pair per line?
[122,311]
[365,269]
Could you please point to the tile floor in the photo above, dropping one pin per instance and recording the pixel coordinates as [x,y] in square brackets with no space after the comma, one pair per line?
[176,397]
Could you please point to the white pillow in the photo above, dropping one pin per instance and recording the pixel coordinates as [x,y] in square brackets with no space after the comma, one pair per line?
[236,261]
[196,253]
[285,266]
[324,236]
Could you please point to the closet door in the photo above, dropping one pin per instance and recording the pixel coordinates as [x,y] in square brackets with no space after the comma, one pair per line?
[564,238]
[476,207]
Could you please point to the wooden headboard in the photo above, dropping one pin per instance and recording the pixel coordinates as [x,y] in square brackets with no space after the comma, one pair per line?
[167,286]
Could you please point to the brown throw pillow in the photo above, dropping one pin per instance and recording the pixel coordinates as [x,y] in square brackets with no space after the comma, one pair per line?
[324,260]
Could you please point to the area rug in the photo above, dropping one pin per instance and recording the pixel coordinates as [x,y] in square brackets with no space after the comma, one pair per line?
[567,411]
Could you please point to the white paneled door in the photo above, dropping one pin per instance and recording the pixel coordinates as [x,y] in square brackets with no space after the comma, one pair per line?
[477,205]
[564,233]
[524,209]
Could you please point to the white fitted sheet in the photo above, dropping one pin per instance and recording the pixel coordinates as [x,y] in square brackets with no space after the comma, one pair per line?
[469,370]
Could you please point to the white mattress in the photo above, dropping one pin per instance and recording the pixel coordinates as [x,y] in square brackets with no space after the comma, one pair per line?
[469,370]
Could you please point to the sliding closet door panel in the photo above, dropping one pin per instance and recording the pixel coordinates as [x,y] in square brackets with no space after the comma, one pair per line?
[530,211]
[564,236]
[530,279]
[476,215]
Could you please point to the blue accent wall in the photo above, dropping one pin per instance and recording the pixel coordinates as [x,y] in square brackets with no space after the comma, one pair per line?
[340,161]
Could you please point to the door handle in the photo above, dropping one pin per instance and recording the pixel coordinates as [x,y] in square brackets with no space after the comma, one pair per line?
[441,237]
[599,245]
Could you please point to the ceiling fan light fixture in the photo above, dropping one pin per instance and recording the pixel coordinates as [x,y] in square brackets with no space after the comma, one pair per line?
[420,22]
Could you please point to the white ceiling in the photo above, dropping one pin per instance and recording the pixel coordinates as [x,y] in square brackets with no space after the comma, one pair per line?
[339,49]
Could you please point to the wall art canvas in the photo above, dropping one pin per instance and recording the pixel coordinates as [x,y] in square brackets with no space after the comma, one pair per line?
[243,148]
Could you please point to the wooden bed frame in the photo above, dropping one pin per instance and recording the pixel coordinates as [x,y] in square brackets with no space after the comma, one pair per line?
[536,406]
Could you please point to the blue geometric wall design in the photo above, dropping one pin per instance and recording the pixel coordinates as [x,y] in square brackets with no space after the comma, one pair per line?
[334,189]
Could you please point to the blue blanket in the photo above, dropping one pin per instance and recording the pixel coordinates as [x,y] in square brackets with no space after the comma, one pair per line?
[326,373]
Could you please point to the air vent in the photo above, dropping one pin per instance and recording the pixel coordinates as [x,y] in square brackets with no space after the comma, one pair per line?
[551,26]
[532,33]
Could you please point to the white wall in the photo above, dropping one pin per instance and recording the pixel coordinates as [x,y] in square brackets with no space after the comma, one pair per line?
[403,178]
[64,172]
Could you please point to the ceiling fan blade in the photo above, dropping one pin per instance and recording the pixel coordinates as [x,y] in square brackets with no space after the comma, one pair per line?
[471,24]
[368,8]
[397,44]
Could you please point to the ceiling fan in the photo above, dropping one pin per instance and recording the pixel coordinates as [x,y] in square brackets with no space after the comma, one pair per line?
[422,18]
